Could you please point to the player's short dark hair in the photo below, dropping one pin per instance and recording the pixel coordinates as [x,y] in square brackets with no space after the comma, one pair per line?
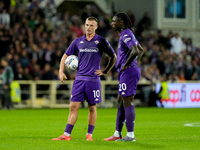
[92,18]
[125,18]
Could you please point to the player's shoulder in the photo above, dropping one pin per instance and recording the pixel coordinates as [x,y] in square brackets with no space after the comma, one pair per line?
[128,35]
[78,40]
[100,39]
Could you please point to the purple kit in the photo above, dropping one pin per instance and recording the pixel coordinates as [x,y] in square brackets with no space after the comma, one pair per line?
[87,84]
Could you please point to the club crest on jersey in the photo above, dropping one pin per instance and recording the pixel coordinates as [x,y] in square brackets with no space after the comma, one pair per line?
[96,42]
[81,42]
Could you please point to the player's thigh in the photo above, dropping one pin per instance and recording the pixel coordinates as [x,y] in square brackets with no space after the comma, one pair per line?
[128,101]
[78,91]
[93,92]
[74,106]
[119,100]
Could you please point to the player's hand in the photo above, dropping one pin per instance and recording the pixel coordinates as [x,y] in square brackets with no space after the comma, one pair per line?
[124,68]
[98,73]
[62,76]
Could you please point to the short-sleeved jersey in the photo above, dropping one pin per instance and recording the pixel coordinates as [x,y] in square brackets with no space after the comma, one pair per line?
[126,41]
[89,54]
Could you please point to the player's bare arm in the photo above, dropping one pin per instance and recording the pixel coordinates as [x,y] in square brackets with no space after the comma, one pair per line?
[141,52]
[61,70]
[134,53]
[110,65]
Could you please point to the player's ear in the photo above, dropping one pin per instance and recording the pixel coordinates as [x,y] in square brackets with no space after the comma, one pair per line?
[121,22]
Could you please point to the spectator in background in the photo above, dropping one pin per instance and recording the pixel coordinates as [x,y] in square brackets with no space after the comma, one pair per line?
[160,64]
[181,76]
[7,77]
[5,18]
[102,29]
[47,74]
[24,59]
[196,70]
[163,93]
[155,52]
[162,40]
[170,66]
[131,16]
[143,24]
[76,26]
[1,6]
[180,63]
[188,71]
[177,44]
[189,46]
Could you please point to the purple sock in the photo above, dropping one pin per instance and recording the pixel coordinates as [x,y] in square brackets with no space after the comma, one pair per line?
[130,118]
[69,128]
[120,118]
[90,129]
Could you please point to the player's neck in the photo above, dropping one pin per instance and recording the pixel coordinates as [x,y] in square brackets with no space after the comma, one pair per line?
[122,29]
[89,36]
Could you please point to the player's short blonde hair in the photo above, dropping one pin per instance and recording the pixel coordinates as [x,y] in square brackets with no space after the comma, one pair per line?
[92,18]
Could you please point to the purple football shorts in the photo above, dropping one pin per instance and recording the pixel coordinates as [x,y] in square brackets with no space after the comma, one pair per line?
[89,90]
[128,81]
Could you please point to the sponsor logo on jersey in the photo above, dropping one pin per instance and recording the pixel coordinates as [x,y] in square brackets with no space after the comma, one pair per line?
[123,93]
[81,42]
[91,49]
[96,99]
[127,39]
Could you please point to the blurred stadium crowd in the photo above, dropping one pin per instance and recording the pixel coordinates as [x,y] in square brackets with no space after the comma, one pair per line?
[34,35]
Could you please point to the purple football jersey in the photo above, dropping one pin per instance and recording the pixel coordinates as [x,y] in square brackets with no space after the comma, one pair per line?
[126,41]
[89,54]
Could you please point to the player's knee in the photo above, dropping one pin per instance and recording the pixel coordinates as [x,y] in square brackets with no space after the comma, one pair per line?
[120,104]
[92,109]
[73,107]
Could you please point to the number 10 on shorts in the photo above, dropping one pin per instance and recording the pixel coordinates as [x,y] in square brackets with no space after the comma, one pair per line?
[96,93]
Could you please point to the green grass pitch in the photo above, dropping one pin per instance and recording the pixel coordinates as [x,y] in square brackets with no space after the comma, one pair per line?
[155,128]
